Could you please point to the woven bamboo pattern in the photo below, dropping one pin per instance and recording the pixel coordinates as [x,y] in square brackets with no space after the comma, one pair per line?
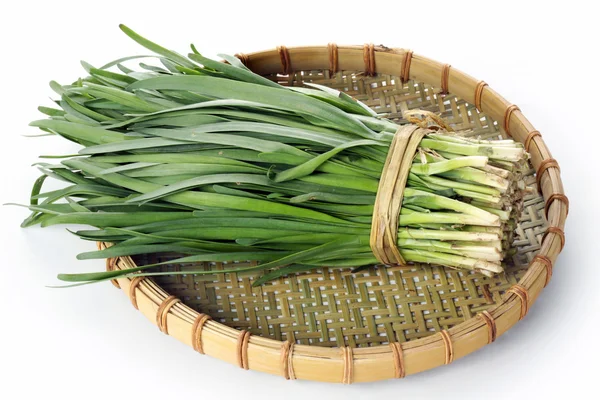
[384,322]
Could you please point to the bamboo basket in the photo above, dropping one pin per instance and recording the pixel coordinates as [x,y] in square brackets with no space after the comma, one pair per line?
[385,322]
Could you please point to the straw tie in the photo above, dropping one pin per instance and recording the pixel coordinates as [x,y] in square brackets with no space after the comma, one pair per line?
[449,357]
[478,93]
[386,211]
[547,263]
[348,359]
[426,120]
[132,293]
[369,59]
[201,319]
[163,312]
[491,325]
[287,366]
[521,292]
[398,357]
[405,70]
[242,349]
[507,114]
[284,55]
[550,200]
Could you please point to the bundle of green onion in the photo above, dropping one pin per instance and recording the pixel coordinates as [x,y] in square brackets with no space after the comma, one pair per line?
[211,161]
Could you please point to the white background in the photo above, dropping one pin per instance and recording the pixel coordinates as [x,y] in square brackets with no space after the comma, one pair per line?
[89,343]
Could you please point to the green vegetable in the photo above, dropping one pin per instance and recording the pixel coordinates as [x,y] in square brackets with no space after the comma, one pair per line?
[209,160]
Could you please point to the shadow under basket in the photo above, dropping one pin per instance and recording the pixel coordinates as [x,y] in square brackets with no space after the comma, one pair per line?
[384,322]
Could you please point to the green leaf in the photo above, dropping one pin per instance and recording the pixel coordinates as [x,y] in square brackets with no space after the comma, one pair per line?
[327,114]
[171,55]
[103,219]
[309,167]
[86,133]
[234,71]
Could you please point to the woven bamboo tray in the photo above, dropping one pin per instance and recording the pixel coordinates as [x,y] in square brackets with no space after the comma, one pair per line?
[385,322]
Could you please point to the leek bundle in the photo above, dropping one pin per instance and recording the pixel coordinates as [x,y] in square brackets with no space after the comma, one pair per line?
[208,160]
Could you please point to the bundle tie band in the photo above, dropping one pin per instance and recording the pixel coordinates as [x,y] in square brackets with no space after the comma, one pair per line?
[388,201]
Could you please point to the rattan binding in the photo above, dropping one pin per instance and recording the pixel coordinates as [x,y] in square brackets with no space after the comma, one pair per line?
[557,231]
[163,313]
[284,56]
[532,135]
[201,319]
[507,114]
[544,165]
[490,323]
[478,93]
[243,58]
[547,263]
[287,365]
[448,349]
[398,360]
[242,349]
[369,59]
[405,74]
[556,196]
[445,78]
[521,292]
[110,264]
[333,58]
[348,364]
[132,290]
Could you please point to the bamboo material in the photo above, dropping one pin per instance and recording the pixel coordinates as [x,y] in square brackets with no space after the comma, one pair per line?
[386,211]
[481,309]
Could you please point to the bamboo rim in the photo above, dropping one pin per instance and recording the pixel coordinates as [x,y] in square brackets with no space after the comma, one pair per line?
[396,360]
